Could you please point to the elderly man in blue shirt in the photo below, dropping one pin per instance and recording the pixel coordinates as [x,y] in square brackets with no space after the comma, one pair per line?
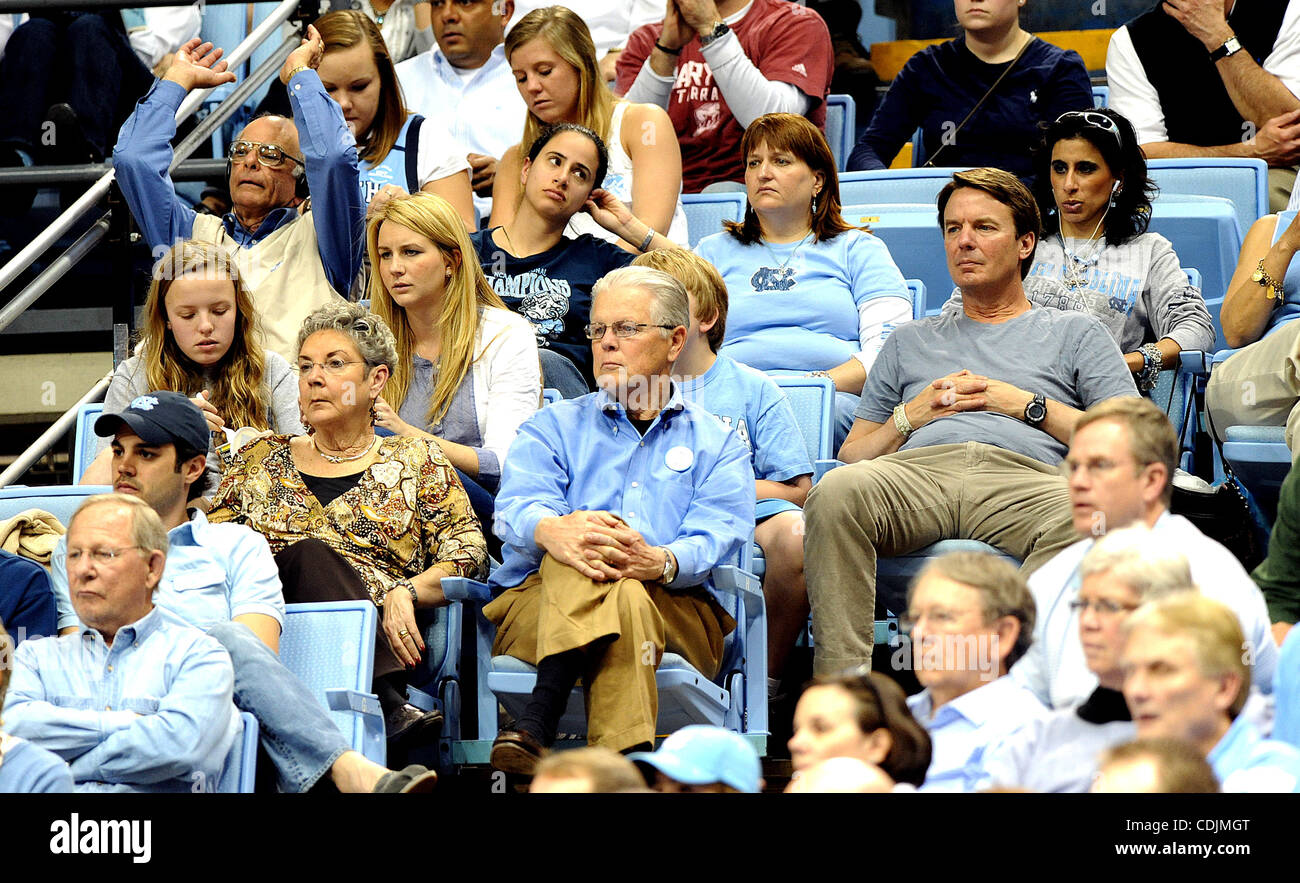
[136,699]
[294,256]
[970,617]
[613,509]
[223,579]
[1186,677]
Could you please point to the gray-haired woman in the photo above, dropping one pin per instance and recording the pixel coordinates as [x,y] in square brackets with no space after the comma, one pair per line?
[350,515]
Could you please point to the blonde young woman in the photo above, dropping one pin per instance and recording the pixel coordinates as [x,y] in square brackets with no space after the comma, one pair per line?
[467,372]
[200,337]
[554,62]
[395,146]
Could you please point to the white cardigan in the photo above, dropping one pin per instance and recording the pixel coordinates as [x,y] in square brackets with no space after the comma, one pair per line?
[507,377]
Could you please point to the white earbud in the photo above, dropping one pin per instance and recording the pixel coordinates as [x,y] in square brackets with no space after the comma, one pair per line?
[498,5]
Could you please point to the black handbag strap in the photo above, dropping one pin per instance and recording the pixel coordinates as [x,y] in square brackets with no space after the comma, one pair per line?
[951,139]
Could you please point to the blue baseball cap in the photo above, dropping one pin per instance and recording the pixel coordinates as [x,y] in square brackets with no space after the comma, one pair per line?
[161,417]
[700,755]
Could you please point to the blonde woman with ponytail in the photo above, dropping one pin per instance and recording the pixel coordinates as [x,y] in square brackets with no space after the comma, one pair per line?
[467,372]
[201,337]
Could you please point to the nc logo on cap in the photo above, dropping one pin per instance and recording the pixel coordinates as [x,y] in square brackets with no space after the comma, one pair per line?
[143,403]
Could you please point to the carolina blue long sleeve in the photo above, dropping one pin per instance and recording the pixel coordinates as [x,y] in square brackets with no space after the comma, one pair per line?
[143,154]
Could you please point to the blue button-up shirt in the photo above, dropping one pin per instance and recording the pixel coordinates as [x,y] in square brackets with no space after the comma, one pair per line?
[151,712]
[143,154]
[963,729]
[214,572]
[1245,762]
[687,484]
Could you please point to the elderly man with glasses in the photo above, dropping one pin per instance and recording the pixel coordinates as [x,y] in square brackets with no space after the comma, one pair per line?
[1119,467]
[613,509]
[136,699]
[296,253]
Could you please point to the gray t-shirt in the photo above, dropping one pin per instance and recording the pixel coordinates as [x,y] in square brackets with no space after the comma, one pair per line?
[1067,357]
[459,424]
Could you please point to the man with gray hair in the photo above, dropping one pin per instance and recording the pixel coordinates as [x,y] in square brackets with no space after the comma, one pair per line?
[969,618]
[612,510]
[1119,469]
[136,699]
[1058,752]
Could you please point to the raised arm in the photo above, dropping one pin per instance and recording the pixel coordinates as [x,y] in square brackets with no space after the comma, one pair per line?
[330,154]
[1247,309]
[656,157]
[143,153]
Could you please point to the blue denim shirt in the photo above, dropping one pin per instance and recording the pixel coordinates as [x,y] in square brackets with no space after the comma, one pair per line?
[687,484]
[214,572]
[143,155]
[151,712]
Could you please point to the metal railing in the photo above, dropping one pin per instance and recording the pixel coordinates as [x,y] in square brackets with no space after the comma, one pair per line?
[85,243]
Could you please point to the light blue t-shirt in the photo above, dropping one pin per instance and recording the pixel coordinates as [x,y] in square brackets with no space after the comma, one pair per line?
[753,405]
[795,306]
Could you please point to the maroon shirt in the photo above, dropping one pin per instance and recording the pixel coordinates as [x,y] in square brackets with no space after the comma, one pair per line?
[786,42]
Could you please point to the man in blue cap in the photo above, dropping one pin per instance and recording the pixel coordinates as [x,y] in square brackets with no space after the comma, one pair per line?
[699,760]
[223,579]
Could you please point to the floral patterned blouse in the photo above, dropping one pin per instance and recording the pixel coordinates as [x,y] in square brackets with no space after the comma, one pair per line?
[407,513]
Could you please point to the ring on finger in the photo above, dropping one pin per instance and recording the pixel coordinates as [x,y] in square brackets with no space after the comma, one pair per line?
[403,633]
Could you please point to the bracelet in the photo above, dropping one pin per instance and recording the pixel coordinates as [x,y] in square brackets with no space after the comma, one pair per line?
[299,69]
[664,49]
[901,423]
[825,374]
[1151,364]
[649,237]
[1267,282]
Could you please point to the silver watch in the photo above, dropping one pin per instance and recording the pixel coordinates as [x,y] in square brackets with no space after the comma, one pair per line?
[670,567]
[719,31]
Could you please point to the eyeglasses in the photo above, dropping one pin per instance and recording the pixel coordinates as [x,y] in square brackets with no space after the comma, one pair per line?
[99,556]
[596,330]
[939,618]
[1101,608]
[270,155]
[332,367]
[1094,468]
[1096,120]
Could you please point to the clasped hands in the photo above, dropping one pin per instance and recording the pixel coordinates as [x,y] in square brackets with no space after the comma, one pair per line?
[966,391]
[599,545]
[684,20]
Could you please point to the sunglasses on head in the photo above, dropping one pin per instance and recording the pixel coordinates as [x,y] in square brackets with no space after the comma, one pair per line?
[270,155]
[1096,120]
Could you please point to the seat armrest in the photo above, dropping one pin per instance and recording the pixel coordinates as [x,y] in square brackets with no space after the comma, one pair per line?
[340,699]
[462,588]
[731,580]
[821,467]
[1195,362]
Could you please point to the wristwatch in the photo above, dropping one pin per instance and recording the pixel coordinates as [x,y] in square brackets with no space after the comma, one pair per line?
[670,567]
[1036,411]
[719,31]
[1230,45]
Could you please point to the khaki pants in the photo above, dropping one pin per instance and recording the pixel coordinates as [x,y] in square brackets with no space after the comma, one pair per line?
[1280,183]
[1259,386]
[905,501]
[625,626]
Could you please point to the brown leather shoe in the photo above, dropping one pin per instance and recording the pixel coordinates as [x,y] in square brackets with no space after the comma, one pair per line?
[516,751]
[414,779]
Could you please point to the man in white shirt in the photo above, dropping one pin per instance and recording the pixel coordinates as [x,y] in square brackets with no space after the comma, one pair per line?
[1121,458]
[466,81]
[1213,78]
[969,617]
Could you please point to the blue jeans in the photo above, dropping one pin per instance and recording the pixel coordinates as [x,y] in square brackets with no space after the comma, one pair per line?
[561,374]
[295,730]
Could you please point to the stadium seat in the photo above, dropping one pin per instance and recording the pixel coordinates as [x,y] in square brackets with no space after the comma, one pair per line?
[241,767]
[61,501]
[330,646]
[437,679]
[841,124]
[1257,455]
[737,700]
[85,439]
[551,396]
[1100,96]
[911,232]
[918,292]
[1243,182]
[705,212]
[1203,230]
[813,401]
[879,186]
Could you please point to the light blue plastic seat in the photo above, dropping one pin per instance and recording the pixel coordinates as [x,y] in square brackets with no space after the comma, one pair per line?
[1243,182]
[705,212]
[61,501]
[85,440]
[240,773]
[1100,96]
[1203,230]
[911,233]
[877,187]
[330,646]
[841,124]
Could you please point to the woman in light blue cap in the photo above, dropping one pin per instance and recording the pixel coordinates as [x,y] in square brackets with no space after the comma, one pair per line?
[700,760]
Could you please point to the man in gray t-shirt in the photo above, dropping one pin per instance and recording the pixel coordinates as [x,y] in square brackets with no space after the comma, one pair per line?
[963,421]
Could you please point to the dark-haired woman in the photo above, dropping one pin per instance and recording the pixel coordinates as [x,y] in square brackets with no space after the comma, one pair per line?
[546,276]
[809,292]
